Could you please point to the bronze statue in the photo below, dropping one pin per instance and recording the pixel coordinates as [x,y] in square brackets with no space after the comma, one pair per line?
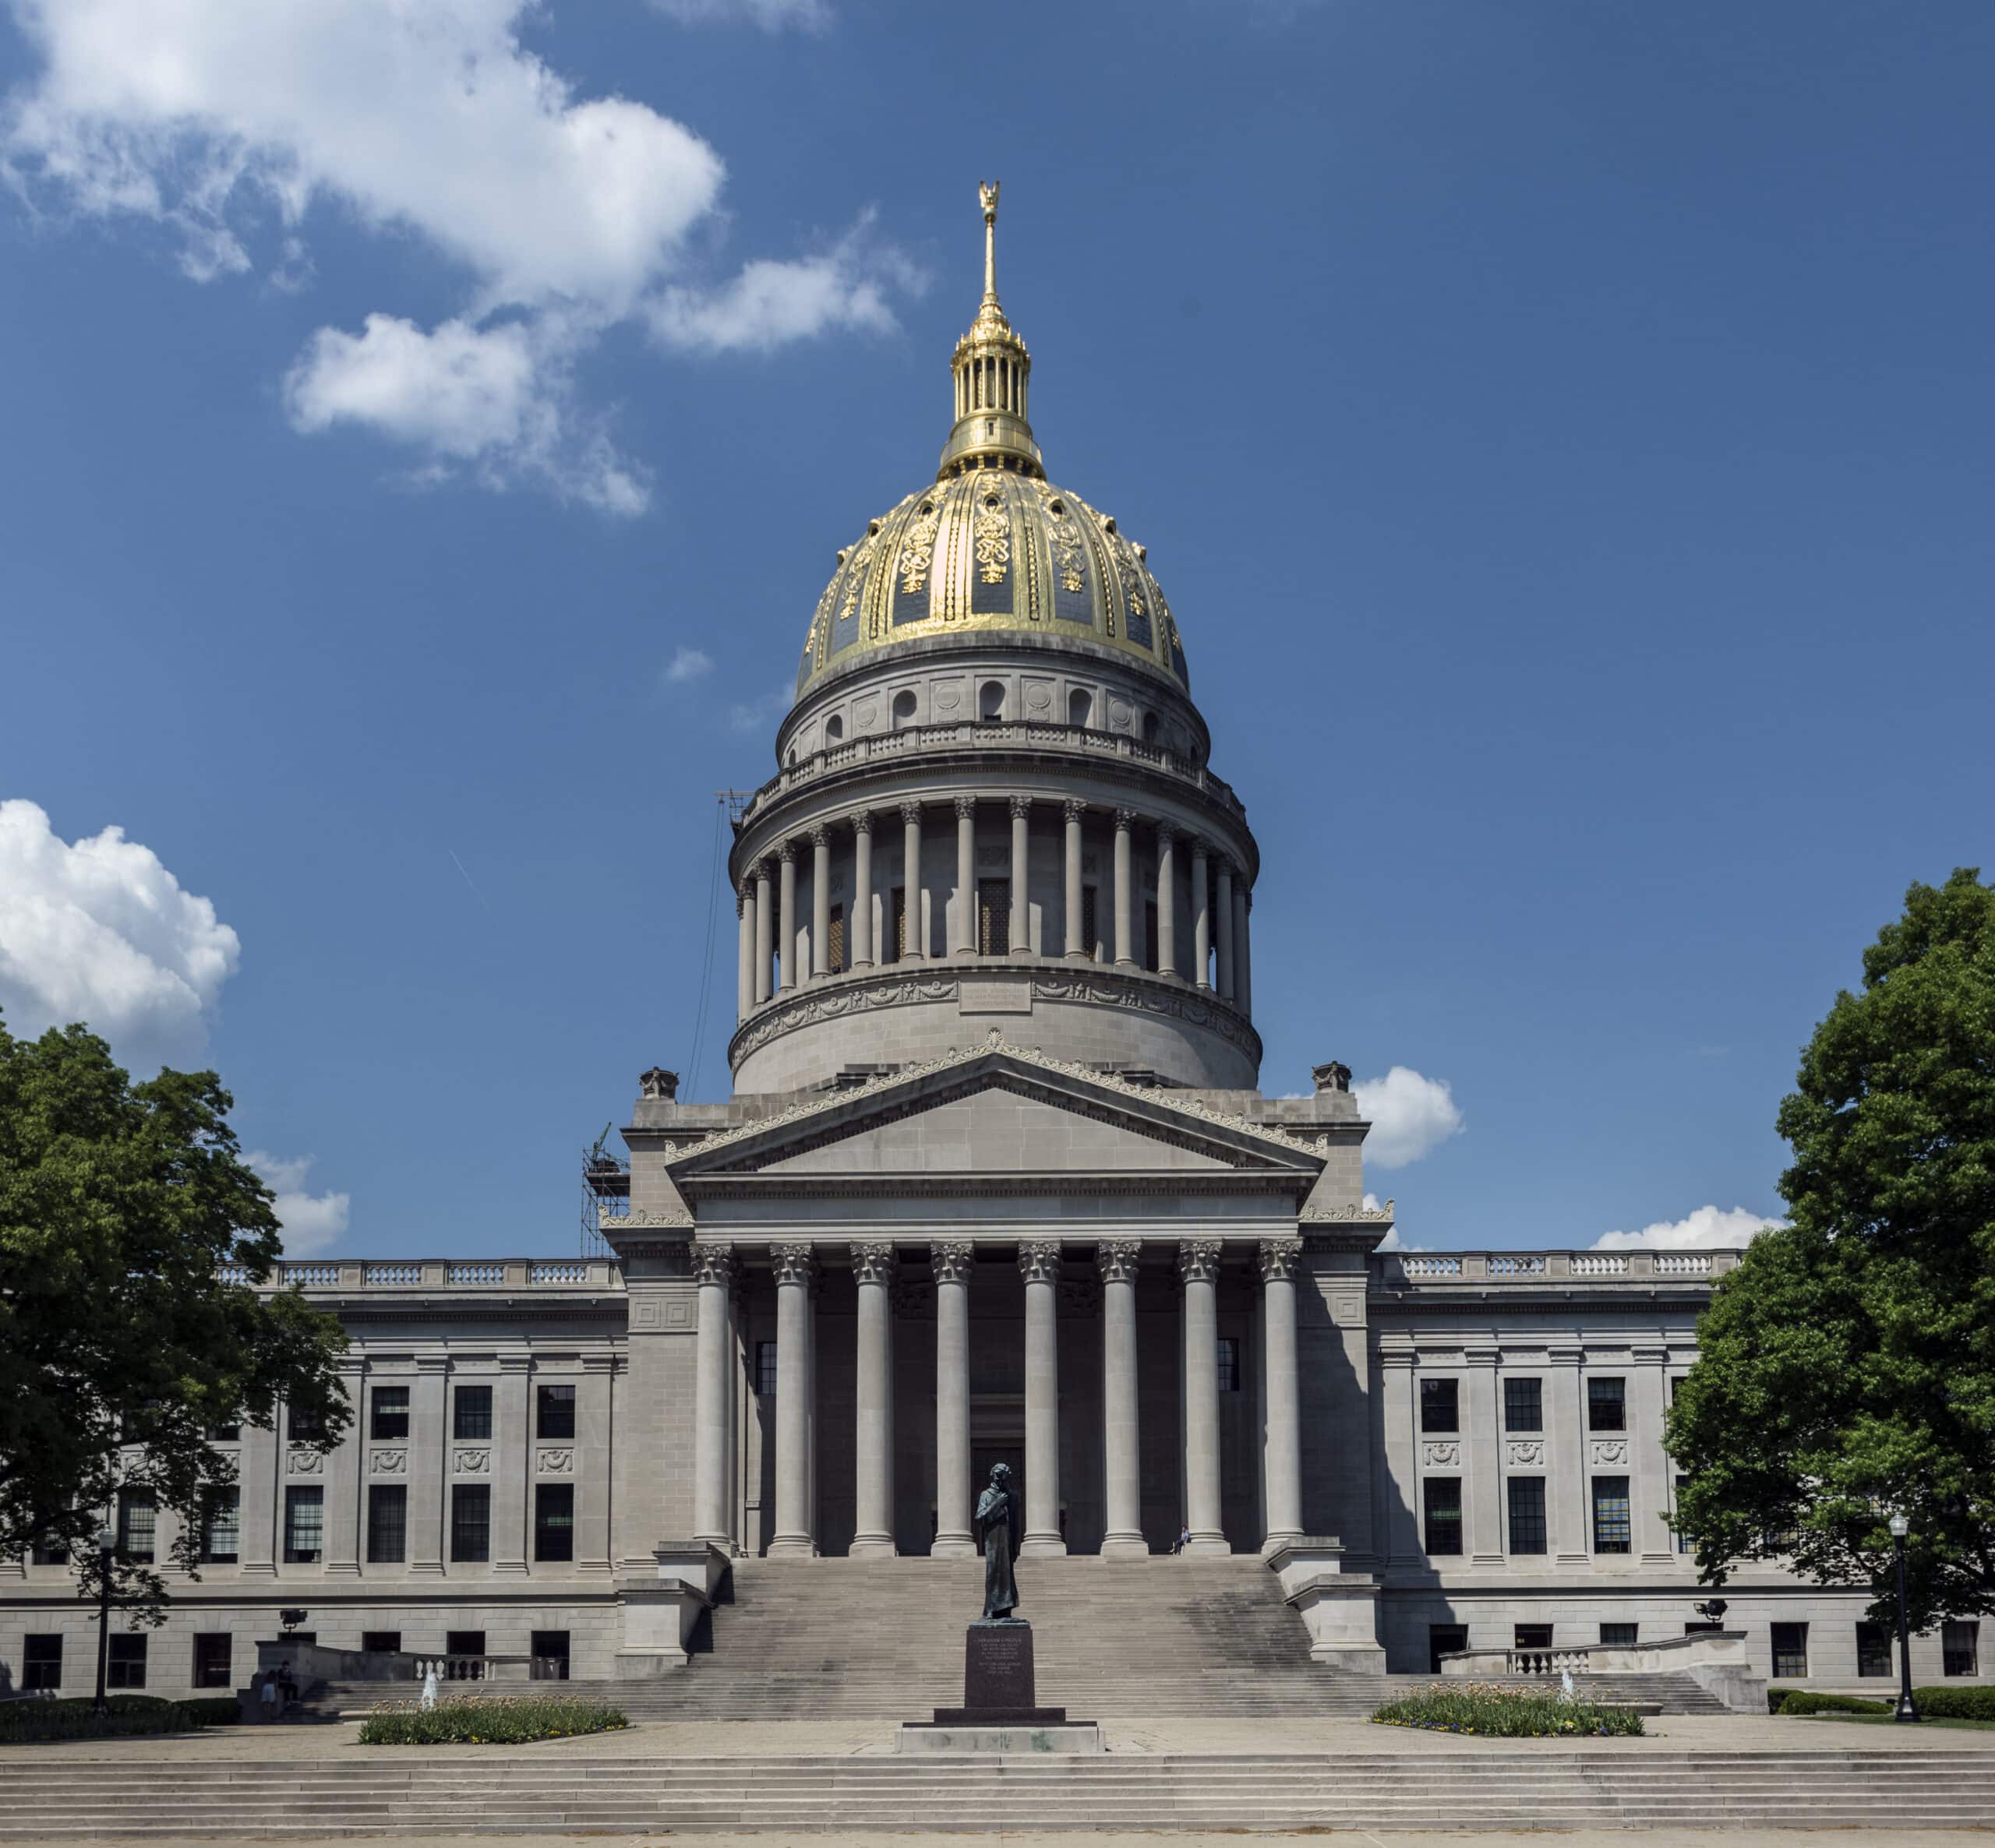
[998,1523]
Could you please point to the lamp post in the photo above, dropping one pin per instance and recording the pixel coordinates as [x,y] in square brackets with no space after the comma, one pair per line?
[1907,1711]
[106,1540]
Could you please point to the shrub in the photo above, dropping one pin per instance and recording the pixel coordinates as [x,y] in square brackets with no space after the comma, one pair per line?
[1804,1701]
[127,1716]
[214,1710]
[1499,1712]
[466,1720]
[1955,1703]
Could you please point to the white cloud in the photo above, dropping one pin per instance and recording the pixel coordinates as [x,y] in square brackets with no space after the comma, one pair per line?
[687,664]
[100,931]
[311,1221]
[772,16]
[1411,1116]
[1707,1227]
[756,714]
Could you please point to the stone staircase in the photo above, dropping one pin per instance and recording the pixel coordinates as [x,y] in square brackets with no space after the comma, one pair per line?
[883,1639]
[489,1790]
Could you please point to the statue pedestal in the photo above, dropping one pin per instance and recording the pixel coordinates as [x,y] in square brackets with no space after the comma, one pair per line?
[999,1711]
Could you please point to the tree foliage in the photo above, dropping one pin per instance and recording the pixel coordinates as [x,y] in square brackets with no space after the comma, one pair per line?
[1847,1367]
[121,1345]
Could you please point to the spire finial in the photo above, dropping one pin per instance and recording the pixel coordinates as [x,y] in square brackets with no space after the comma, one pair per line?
[987,193]
[991,368]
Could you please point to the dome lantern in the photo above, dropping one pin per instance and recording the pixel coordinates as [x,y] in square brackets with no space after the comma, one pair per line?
[993,371]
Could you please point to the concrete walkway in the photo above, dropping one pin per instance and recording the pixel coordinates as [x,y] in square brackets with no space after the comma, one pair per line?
[1578,1838]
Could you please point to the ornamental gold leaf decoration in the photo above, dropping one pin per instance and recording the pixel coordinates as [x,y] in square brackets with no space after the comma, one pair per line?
[994,537]
[1064,532]
[918,551]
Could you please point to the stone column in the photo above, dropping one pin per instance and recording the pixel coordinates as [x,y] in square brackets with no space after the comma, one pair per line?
[821,901]
[714,1271]
[594,1463]
[1482,1453]
[1201,916]
[1648,1501]
[966,943]
[1039,1264]
[1125,821]
[951,1264]
[1166,902]
[787,916]
[917,938]
[1243,961]
[1121,1457]
[260,1463]
[744,959]
[1020,927]
[1398,1386]
[1281,1446]
[512,1448]
[795,1536]
[427,1460]
[872,1270]
[861,891]
[1224,908]
[1198,1264]
[764,932]
[1571,1539]
[1074,811]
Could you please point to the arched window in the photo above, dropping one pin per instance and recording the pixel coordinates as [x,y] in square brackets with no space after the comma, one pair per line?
[1080,706]
[990,699]
[1149,728]
[834,729]
[903,708]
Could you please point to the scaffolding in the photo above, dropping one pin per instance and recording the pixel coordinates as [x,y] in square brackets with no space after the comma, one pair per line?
[605,1193]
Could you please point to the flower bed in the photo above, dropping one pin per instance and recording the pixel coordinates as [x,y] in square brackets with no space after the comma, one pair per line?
[1802,1702]
[127,1716]
[1507,1713]
[468,1720]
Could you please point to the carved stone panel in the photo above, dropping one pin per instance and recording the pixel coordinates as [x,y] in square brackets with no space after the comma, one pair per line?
[1525,1453]
[1607,1452]
[471,1462]
[1442,1455]
[388,1463]
[555,1462]
[305,1462]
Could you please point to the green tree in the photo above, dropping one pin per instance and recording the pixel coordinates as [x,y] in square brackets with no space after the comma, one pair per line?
[121,1343]
[1847,1367]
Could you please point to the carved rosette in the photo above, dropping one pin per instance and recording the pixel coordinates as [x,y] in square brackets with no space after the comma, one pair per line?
[1039,1261]
[1119,1260]
[1278,1258]
[793,1264]
[873,1264]
[952,1263]
[714,1264]
[1197,1261]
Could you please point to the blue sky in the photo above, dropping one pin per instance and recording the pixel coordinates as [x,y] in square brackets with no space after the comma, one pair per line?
[1562,430]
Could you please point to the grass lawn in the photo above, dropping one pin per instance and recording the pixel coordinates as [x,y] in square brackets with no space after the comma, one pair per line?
[1888,1719]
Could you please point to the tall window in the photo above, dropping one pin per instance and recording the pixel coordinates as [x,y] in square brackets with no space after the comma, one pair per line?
[993,917]
[554,1521]
[1229,1363]
[138,1519]
[554,1415]
[220,1523]
[389,1413]
[1526,1514]
[308,1424]
[1090,935]
[471,1415]
[1442,1498]
[835,941]
[41,1664]
[1523,1405]
[213,1653]
[765,1368]
[1790,1651]
[1611,1531]
[1873,1652]
[1677,1533]
[1150,951]
[125,1665]
[1439,1405]
[470,1523]
[1444,1639]
[549,1651]
[1607,1404]
[387,1524]
[896,924]
[1960,1646]
[304,1525]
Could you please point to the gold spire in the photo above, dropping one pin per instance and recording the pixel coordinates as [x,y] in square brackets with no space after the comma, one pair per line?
[992,370]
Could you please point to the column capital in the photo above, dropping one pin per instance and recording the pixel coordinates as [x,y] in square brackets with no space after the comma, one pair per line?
[1039,1261]
[874,1263]
[1197,1261]
[911,813]
[741,902]
[1020,807]
[714,1264]
[1278,1258]
[761,872]
[793,1264]
[1074,808]
[966,808]
[1201,848]
[1166,834]
[786,853]
[950,1263]
[1117,1260]
[820,836]
[1125,821]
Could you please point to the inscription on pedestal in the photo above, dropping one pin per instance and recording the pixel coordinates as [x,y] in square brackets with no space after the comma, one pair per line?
[998,1667]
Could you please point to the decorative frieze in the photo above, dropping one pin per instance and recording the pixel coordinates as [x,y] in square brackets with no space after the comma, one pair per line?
[1524,1453]
[1441,1453]
[388,1463]
[1608,1452]
[558,1462]
[303,1462]
[471,1462]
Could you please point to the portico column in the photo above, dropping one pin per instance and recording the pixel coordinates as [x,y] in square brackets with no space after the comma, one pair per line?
[764,932]
[1243,972]
[1125,821]
[787,916]
[872,1270]
[1240,994]
[714,1270]
[795,1386]
[1122,1462]
[744,957]
[951,1264]
[1020,932]
[1166,902]
[966,943]
[821,901]
[1074,811]
[1201,916]
[861,891]
[1039,1264]
[1281,1448]
[1223,905]
[1198,1264]
[916,938]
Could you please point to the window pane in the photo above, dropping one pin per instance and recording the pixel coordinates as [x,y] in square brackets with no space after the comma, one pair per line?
[471,1523]
[1676,1533]
[1439,1410]
[765,1368]
[549,1650]
[556,1415]
[1444,1639]
[835,941]
[1960,1647]
[1526,1514]
[471,1415]
[1532,1636]
[42,1664]
[1618,1636]
[1524,1407]
[1790,1651]
[993,917]
[1873,1651]
[1442,1496]
[219,1526]
[1607,1405]
[1611,1528]
[468,1647]
[1229,1363]
[304,1525]
[387,1524]
[306,1425]
[554,1521]
[137,1523]
[213,1659]
[125,1665]
[390,1412]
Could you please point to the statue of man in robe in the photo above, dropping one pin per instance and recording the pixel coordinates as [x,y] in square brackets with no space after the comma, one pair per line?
[997,1524]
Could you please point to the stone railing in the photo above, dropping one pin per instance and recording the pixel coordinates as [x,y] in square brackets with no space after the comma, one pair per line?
[440,1273]
[1717,1660]
[1528,1268]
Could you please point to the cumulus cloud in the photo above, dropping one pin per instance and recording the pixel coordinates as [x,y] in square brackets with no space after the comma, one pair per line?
[1698,1231]
[98,930]
[1411,1116]
[754,716]
[225,125]
[312,1222]
[772,16]
[687,664]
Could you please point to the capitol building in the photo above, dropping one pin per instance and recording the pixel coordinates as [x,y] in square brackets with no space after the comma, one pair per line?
[998,1180]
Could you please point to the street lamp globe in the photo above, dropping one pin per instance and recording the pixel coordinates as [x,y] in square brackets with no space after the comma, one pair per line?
[106,1540]
[1900,1526]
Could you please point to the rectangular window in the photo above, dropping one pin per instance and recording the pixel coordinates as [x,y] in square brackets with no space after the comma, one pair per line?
[896,924]
[467,1647]
[1790,1651]
[549,1656]
[138,1521]
[471,1415]
[388,1416]
[835,941]
[765,1368]
[1873,1652]
[1090,942]
[221,1523]
[993,917]
[1611,1531]
[387,1524]
[381,1642]
[1442,1497]
[1526,1514]
[50,1552]
[1439,1408]
[1444,1639]
[1960,1647]
[1532,1636]
[1676,1533]
[1150,934]
[42,1664]
[554,1521]
[1607,1404]
[214,1660]
[554,1411]
[125,1663]
[1229,1363]
[303,1526]
[307,1424]
[1618,1636]
[470,1523]
[223,1434]
[1523,1405]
